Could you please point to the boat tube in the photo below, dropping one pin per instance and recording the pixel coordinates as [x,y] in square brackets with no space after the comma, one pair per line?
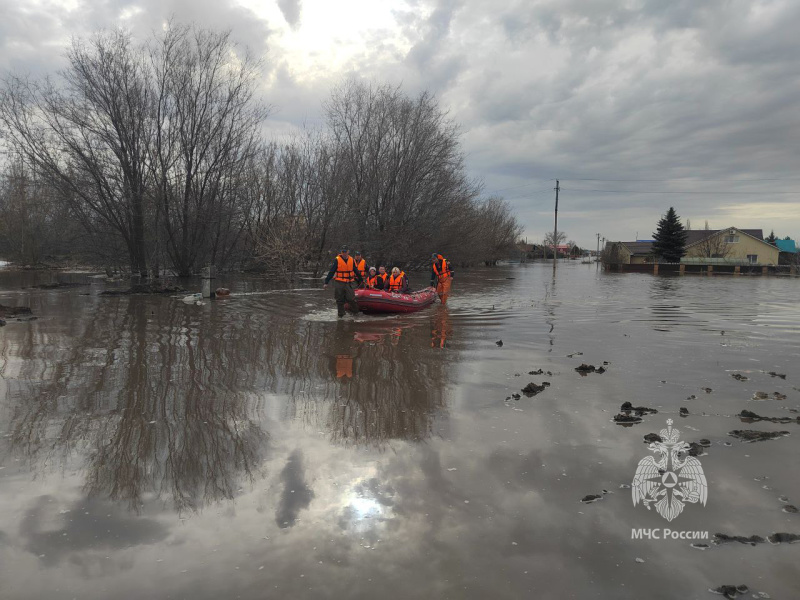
[380,301]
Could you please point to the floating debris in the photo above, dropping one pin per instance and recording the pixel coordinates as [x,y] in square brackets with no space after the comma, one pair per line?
[540,372]
[692,397]
[760,396]
[499,342]
[774,374]
[684,411]
[730,591]
[627,407]
[589,498]
[721,538]
[707,390]
[532,389]
[574,354]
[784,538]
[748,416]
[700,546]
[585,369]
[790,508]
[622,419]
[639,560]
[651,438]
[739,377]
[749,435]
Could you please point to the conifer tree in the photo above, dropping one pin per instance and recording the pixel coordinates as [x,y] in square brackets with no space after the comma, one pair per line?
[771,239]
[670,238]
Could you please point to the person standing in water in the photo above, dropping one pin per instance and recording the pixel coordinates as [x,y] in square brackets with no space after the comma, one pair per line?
[442,276]
[345,275]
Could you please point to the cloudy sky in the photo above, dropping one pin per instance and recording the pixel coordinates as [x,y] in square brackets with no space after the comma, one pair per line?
[634,106]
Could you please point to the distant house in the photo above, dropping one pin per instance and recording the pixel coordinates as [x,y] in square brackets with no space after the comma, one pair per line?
[732,246]
[788,252]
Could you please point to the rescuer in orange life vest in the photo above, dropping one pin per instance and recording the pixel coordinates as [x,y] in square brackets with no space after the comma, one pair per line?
[361,264]
[345,275]
[398,282]
[373,281]
[383,276]
[442,275]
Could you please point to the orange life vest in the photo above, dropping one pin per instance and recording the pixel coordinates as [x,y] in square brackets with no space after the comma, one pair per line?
[445,269]
[362,268]
[345,269]
[372,282]
[396,283]
[383,277]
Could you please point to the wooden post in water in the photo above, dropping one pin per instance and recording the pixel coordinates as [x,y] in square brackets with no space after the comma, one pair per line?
[764,270]
[208,276]
[682,269]
[655,268]
[737,270]
[710,269]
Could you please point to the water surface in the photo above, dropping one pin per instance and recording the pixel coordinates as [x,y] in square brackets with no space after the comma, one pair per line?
[257,447]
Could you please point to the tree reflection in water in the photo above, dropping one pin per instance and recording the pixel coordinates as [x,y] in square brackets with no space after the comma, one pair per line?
[151,398]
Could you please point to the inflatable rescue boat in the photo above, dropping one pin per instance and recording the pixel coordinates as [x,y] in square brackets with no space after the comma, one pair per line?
[380,301]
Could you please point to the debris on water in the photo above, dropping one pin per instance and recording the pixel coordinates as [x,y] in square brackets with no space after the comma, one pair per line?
[750,435]
[145,288]
[574,354]
[760,396]
[499,342]
[684,411]
[707,390]
[774,374]
[516,396]
[585,369]
[621,419]
[790,508]
[453,469]
[589,498]
[730,591]
[739,377]
[784,538]
[721,538]
[651,438]
[700,546]
[600,370]
[639,560]
[748,416]
[627,407]
[778,396]
[540,372]
[783,499]
[695,449]
[19,313]
[705,443]
[532,389]
[624,486]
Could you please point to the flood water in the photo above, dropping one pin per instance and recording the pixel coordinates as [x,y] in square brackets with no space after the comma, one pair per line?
[257,447]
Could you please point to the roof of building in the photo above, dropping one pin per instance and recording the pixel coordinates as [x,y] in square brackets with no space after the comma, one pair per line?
[696,235]
[639,247]
[786,246]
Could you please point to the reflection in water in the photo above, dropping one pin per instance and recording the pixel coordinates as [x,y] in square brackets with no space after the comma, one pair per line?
[381,388]
[157,399]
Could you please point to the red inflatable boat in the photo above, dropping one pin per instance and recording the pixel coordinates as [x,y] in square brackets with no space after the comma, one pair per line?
[379,301]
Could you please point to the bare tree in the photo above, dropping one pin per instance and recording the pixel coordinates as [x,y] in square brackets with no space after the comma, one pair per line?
[90,134]
[207,126]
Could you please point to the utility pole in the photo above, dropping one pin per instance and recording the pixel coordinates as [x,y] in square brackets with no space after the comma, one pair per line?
[555,229]
[598,246]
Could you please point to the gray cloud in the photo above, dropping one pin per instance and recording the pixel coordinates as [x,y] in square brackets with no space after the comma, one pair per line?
[694,95]
[291,10]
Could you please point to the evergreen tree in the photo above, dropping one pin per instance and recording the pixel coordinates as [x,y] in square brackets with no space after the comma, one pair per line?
[670,239]
[771,239]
